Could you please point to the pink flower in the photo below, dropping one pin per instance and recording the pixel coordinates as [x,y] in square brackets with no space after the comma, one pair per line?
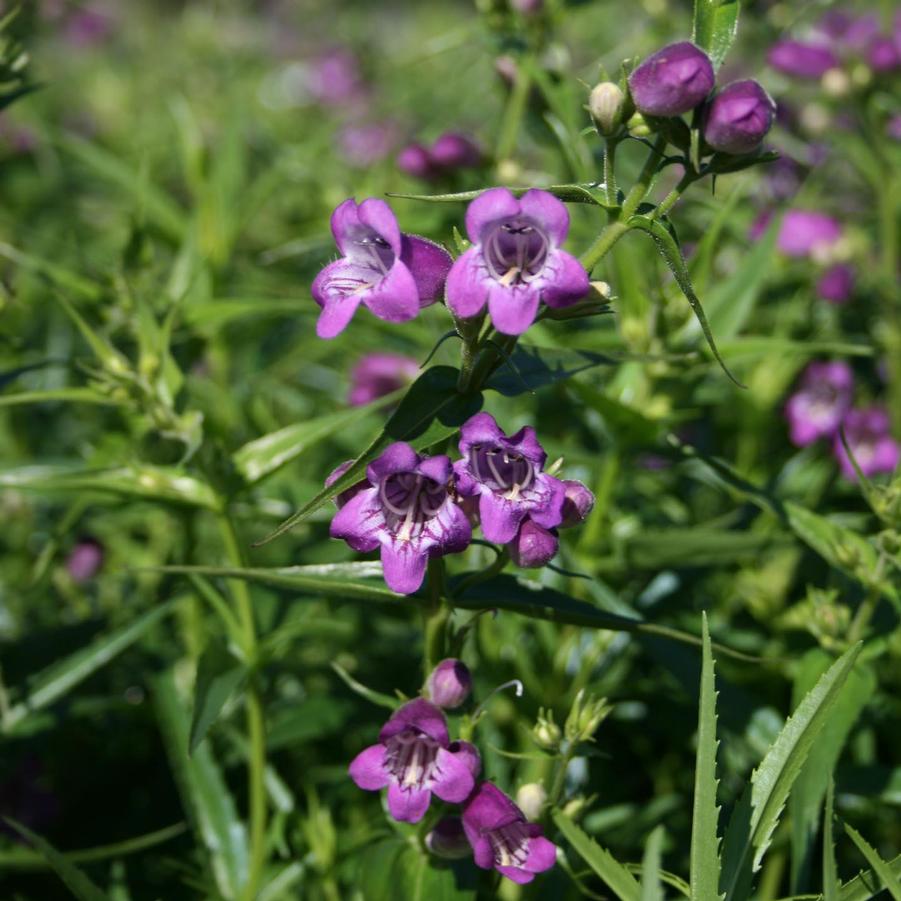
[867,431]
[376,375]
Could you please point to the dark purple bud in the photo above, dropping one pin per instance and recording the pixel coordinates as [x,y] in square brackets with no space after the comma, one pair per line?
[449,684]
[577,504]
[883,55]
[533,546]
[455,150]
[448,840]
[800,59]
[85,560]
[836,284]
[739,117]
[672,81]
[415,160]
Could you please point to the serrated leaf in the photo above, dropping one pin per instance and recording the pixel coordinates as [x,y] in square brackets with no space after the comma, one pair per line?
[715,26]
[705,859]
[757,813]
[867,884]
[614,875]
[219,677]
[651,889]
[831,884]
[669,249]
[54,682]
[880,867]
[75,880]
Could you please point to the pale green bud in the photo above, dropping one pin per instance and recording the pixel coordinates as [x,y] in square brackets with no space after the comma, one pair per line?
[605,103]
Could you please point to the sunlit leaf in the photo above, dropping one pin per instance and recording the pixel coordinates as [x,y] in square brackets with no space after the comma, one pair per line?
[715,26]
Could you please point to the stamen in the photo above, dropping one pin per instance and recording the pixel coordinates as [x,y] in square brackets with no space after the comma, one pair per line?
[510,844]
[411,759]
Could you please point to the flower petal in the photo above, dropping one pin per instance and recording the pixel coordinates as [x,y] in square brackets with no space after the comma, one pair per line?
[375,213]
[422,715]
[397,457]
[469,754]
[548,211]
[512,310]
[549,511]
[456,531]
[482,852]
[359,521]
[406,804]
[394,298]
[500,518]
[489,808]
[516,874]
[566,281]
[479,429]
[437,468]
[525,442]
[429,263]
[345,222]
[456,780]
[367,769]
[403,564]
[488,207]
[542,854]
[466,290]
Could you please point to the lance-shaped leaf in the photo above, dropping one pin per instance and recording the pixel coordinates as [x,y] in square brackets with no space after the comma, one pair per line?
[582,193]
[219,677]
[59,395]
[651,889]
[715,26]
[830,870]
[669,249]
[880,867]
[867,884]
[756,815]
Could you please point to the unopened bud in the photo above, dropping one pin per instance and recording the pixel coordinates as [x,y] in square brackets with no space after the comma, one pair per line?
[448,840]
[577,503]
[546,733]
[449,684]
[530,798]
[638,127]
[605,103]
[534,546]
[586,715]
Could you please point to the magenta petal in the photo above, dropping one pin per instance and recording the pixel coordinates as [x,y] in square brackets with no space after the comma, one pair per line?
[488,809]
[512,310]
[547,210]
[500,518]
[367,769]
[345,222]
[886,455]
[482,852]
[542,854]
[488,207]
[467,286]
[429,263]
[397,457]
[469,754]
[456,781]
[336,314]
[403,566]
[358,521]
[457,534]
[408,805]
[437,468]
[479,429]
[381,219]
[420,714]
[516,875]
[526,442]
[394,298]
[549,513]
[569,282]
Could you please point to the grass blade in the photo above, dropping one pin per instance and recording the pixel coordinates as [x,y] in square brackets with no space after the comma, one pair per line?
[830,872]
[880,867]
[651,889]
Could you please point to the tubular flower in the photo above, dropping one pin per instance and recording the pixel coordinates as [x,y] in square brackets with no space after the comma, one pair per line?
[868,433]
[672,81]
[408,511]
[413,761]
[823,397]
[502,839]
[506,475]
[515,262]
[390,273]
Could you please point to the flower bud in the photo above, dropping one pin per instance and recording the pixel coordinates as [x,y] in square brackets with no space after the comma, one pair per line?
[415,160]
[455,150]
[739,117]
[577,504]
[546,733]
[85,560]
[449,684]
[638,126]
[530,798]
[605,103]
[533,546]
[587,713]
[672,81]
[448,840]
[884,55]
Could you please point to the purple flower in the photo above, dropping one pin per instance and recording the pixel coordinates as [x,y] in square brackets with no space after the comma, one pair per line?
[836,284]
[448,840]
[515,261]
[867,432]
[883,55]
[822,399]
[893,128]
[804,233]
[577,503]
[84,560]
[416,160]
[800,59]
[672,81]
[413,760]
[335,78]
[506,474]
[502,839]
[89,27]
[739,117]
[449,684]
[408,511]
[533,546]
[376,375]
[368,143]
[455,150]
[390,273]
[845,32]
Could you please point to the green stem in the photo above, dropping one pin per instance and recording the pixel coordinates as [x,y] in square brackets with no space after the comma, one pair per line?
[610,145]
[256,728]
[674,196]
[514,112]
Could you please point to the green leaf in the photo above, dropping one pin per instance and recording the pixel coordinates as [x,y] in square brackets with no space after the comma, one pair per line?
[585,193]
[705,859]
[715,26]
[537,367]
[868,883]
[806,800]
[831,884]
[74,879]
[374,697]
[60,276]
[880,867]
[106,354]
[616,877]
[651,889]
[266,455]
[204,793]
[57,680]
[59,395]
[219,677]
[757,814]
[672,255]
[432,410]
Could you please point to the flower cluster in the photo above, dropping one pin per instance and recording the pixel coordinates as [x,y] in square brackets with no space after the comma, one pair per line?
[414,759]
[821,407]
[680,77]
[412,507]
[515,264]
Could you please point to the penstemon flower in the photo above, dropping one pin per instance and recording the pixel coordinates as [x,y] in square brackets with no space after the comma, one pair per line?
[868,433]
[506,475]
[390,273]
[823,397]
[414,759]
[502,838]
[515,262]
[739,117]
[408,510]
